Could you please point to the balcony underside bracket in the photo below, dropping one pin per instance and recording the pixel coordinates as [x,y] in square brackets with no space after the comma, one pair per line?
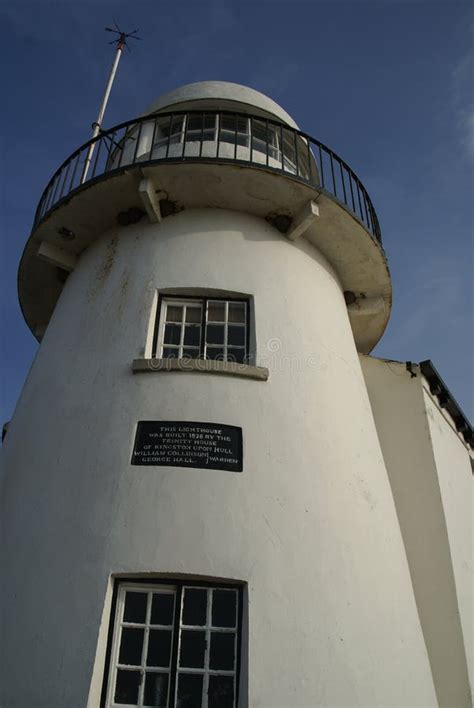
[151,199]
[59,257]
[303,219]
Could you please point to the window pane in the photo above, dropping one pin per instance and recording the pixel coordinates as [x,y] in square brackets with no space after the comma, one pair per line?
[189,691]
[237,311]
[192,335]
[222,650]
[233,128]
[236,355]
[156,690]
[215,353]
[224,608]
[162,607]
[126,688]
[193,314]
[191,353]
[169,353]
[195,607]
[174,313]
[172,334]
[221,692]
[236,335]
[195,122]
[135,607]
[159,647]
[216,311]
[215,334]
[193,646]
[131,645]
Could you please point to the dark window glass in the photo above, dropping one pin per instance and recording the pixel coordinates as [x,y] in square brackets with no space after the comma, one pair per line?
[193,314]
[215,334]
[172,334]
[126,688]
[135,607]
[195,122]
[221,692]
[201,125]
[131,645]
[224,608]
[170,353]
[192,335]
[191,352]
[234,128]
[162,607]
[156,690]
[236,355]
[222,650]
[215,353]
[174,313]
[195,607]
[237,312]
[216,311]
[159,648]
[236,335]
[193,646]
[189,691]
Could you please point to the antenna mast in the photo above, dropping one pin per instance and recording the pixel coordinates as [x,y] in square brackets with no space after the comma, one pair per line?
[121,42]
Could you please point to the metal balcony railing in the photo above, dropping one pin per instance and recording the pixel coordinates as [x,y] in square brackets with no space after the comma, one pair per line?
[198,136]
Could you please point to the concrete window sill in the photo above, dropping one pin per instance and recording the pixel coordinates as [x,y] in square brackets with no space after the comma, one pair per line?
[200,366]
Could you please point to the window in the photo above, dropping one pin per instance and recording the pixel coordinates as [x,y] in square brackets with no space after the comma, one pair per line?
[174,646]
[204,328]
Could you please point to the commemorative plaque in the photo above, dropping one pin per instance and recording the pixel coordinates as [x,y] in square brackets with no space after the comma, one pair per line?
[181,444]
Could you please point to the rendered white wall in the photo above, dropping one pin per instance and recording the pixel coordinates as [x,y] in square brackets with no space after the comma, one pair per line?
[310,524]
[430,475]
[453,466]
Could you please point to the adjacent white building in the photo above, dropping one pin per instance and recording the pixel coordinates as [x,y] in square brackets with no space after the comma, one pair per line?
[212,495]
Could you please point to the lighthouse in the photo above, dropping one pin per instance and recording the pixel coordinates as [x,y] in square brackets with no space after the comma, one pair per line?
[207,499]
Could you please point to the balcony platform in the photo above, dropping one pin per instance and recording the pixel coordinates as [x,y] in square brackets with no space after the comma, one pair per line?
[69,224]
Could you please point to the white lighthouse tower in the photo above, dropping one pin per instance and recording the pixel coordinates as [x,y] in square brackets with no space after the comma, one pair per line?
[196,508]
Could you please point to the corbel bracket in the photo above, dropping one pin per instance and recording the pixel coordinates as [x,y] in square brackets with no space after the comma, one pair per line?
[151,199]
[57,256]
[303,220]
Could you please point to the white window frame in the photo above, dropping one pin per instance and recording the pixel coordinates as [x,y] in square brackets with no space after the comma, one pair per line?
[119,624]
[174,670]
[204,302]
[184,303]
[206,671]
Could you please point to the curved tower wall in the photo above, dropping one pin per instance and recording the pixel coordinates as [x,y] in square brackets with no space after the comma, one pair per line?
[309,524]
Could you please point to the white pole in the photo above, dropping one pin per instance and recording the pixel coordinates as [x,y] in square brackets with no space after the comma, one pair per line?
[98,124]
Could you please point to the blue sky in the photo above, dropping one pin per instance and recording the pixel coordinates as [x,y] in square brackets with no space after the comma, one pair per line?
[386,83]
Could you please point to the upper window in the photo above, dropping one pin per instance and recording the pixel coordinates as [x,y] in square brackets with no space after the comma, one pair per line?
[174,646]
[202,328]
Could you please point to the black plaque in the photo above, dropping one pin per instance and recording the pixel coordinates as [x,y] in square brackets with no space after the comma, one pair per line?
[180,444]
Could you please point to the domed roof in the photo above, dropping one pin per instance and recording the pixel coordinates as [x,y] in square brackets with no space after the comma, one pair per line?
[220,94]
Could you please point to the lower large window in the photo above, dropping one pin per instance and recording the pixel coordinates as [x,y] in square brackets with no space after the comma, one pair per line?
[174,645]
